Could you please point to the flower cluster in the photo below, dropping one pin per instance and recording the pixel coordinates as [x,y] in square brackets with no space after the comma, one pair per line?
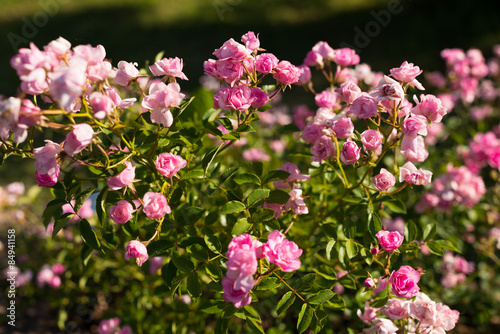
[50,275]
[455,270]
[112,326]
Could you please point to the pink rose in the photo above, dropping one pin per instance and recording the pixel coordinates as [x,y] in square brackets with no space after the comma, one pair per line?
[121,212]
[350,153]
[305,75]
[169,164]
[282,252]
[171,67]
[108,326]
[161,97]
[232,50]
[409,173]
[371,139]
[348,92]
[322,149]
[311,133]
[58,268]
[369,313]
[46,158]
[101,104]
[313,59]
[389,241]
[388,89]
[251,41]
[266,62]
[49,179]
[286,73]
[404,282]
[324,50]
[431,107]
[127,72]
[236,98]
[239,298]
[343,128]
[396,309]
[346,57]
[79,138]
[369,283]
[258,97]
[137,250]
[155,205]
[122,179]
[296,202]
[365,106]
[325,99]
[382,326]
[407,72]
[255,154]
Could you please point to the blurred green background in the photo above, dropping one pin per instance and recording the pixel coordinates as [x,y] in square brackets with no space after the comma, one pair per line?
[136,30]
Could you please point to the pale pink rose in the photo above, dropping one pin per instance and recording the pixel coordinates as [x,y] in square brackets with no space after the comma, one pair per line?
[122,179]
[282,252]
[423,309]
[410,174]
[231,71]
[171,67]
[365,106]
[369,283]
[313,59]
[239,298]
[101,104]
[121,212]
[404,282]
[448,318]
[389,241]
[295,174]
[108,326]
[243,241]
[322,149]
[369,313]
[242,262]
[117,100]
[371,139]
[384,181]
[286,73]
[101,71]
[266,62]
[251,41]
[388,89]
[48,179]
[210,68]
[431,107]
[350,153]
[343,128]
[127,72]
[325,117]
[35,82]
[381,286]
[381,326]
[396,309]
[46,157]
[15,188]
[348,92]
[419,154]
[277,146]
[311,133]
[412,127]
[258,97]
[155,205]
[256,154]
[326,99]
[67,82]
[58,47]
[296,202]
[236,98]
[305,75]
[324,50]
[407,72]
[137,250]
[169,164]
[79,138]
[161,97]
[232,50]
[346,57]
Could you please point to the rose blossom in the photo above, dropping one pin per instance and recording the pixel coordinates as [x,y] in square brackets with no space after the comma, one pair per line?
[239,298]
[235,98]
[389,241]
[404,282]
[388,89]
[232,50]
[108,326]
[295,175]
[101,104]
[286,73]
[348,92]
[266,62]
[251,41]
[258,97]
[305,74]
[371,139]
[407,72]
[409,173]
[381,326]
[369,313]
[311,133]
[365,106]
[322,149]
[343,128]
[429,106]
[345,57]
[155,205]
[169,164]
[369,283]
[46,157]
[127,72]
[296,201]
[171,67]
[350,153]
[79,138]
[325,99]
[121,212]
[313,59]
[396,309]
[282,252]
[122,179]
[324,50]
[136,249]
[48,179]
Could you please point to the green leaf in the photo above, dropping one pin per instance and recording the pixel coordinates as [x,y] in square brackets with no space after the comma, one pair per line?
[285,302]
[374,224]
[232,207]
[193,174]
[100,205]
[182,262]
[379,302]
[213,243]
[82,197]
[321,297]
[337,302]
[257,167]
[435,248]
[256,196]
[275,175]
[411,231]
[193,285]
[213,270]
[326,272]
[241,226]
[221,325]
[251,313]
[304,283]
[447,245]
[255,327]
[262,215]
[329,249]
[351,248]
[213,306]
[88,235]
[198,252]
[347,282]
[278,197]
[159,247]
[188,215]
[245,128]
[208,158]
[429,232]
[246,178]
[305,318]
[52,210]
[268,283]
[396,205]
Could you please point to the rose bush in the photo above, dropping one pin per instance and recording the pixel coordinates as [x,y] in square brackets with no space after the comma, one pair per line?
[240,215]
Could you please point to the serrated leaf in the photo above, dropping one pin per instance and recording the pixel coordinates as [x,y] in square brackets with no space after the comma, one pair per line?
[435,248]
[268,283]
[262,215]
[188,215]
[246,178]
[321,297]
[447,245]
[337,302]
[326,272]
[275,175]
[213,306]
[379,302]
[396,205]
[213,270]
[304,283]
[329,249]
[193,174]
[159,247]
[53,209]
[213,243]
[88,235]
[182,262]
[278,197]
[256,196]
[193,285]
[410,231]
[347,282]
[351,249]
[241,226]
[232,207]
[305,318]
[285,302]
[429,232]
[82,197]
[198,252]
